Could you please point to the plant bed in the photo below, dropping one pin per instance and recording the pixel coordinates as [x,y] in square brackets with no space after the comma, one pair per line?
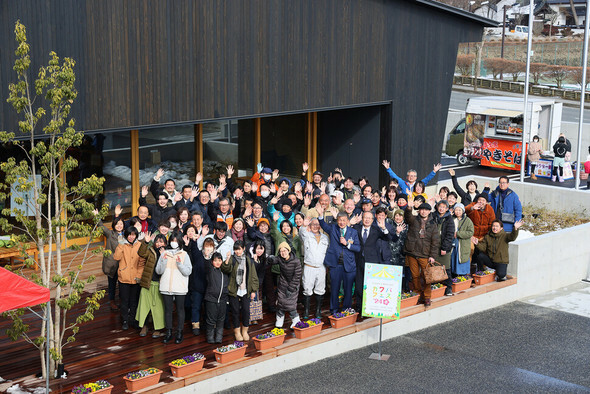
[437,290]
[187,365]
[344,318]
[229,353]
[141,379]
[409,299]
[483,277]
[100,386]
[308,328]
[461,283]
[271,339]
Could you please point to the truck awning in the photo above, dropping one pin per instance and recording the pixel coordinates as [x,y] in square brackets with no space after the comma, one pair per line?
[502,112]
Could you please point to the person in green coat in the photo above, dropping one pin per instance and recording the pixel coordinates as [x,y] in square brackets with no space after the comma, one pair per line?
[494,248]
[464,229]
[285,234]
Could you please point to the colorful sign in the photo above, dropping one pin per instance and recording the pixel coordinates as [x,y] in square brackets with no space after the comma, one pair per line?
[382,291]
[500,153]
[474,131]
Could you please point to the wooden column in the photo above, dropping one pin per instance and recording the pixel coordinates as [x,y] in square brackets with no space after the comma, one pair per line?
[135,186]
[199,151]
[257,139]
[311,140]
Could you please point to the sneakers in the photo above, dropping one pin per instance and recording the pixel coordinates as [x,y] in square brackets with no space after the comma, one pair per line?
[553,178]
[143,331]
[279,322]
[294,321]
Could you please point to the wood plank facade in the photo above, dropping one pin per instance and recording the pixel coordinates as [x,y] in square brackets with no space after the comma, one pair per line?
[165,62]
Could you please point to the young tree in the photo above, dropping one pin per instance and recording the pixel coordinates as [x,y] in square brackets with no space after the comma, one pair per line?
[537,70]
[496,65]
[575,74]
[58,211]
[516,68]
[558,73]
[464,63]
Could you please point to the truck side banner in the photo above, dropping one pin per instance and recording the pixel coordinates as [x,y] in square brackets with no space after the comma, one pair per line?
[474,131]
[501,153]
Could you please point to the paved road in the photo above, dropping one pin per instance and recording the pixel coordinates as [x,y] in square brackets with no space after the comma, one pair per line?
[569,114]
[516,348]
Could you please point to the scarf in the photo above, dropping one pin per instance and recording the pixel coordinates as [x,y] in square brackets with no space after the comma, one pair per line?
[237,235]
[241,275]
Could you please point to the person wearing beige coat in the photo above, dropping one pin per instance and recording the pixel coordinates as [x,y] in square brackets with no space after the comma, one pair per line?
[534,154]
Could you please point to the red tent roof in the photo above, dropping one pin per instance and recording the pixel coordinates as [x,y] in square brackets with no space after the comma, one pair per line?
[17,292]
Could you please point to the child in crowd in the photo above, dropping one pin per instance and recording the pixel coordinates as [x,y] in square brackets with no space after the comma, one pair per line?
[216,296]
[242,287]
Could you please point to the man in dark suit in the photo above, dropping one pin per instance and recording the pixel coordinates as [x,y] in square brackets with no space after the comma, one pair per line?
[369,235]
[344,242]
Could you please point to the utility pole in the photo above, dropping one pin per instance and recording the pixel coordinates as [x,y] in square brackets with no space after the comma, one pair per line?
[503,34]
[582,96]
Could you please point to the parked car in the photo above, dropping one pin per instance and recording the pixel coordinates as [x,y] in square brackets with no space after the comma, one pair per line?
[455,143]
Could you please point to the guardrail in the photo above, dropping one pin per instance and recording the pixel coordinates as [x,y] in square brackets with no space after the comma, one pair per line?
[518,87]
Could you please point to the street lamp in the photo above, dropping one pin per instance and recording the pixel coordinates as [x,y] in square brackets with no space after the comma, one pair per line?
[470,4]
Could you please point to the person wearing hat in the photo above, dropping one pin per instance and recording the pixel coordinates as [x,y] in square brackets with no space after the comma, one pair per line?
[446,228]
[260,230]
[482,215]
[337,199]
[422,246]
[402,201]
[316,180]
[285,212]
[462,242]
[288,285]
[367,205]
[264,176]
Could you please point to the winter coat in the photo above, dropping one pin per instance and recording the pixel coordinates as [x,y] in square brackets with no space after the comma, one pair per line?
[495,246]
[217,282]
[260,266]
[289,280]
[429,244]
[446,228]
[534,151]
[403,185]
[560,149]
[396,248]
[482,219]
[279,237]
[509,210]
[314,250]
[109,264]
[466,198]
[464,231]
[383,248]
[151,257]
[174,280]
[252,284]
[222,246]
[197,280]
[130,264]
[156,211]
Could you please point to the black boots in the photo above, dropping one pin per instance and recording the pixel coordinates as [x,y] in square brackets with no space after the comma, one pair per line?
[218,334]
[210,335]
[167,336]
[178,338]
[306,307]
[318,309]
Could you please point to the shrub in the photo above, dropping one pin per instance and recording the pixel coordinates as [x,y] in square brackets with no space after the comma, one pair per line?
[515,68]
[464,63]
[537,70]
[575,74]
[496,65]
[558,73]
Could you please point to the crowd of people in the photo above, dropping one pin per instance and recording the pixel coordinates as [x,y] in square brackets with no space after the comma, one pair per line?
[218,253]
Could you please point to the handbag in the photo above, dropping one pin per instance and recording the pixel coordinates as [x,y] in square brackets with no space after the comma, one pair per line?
[434,273]
[255,310]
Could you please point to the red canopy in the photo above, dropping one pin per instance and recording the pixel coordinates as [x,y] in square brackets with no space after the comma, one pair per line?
[17,292]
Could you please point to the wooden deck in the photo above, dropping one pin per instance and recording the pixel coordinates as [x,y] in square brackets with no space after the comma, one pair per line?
[103,351]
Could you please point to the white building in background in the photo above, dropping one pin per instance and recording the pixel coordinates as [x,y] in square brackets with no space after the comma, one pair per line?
[544,9]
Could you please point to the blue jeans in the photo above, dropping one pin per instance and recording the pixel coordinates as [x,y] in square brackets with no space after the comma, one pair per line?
[339,276]
[196,303]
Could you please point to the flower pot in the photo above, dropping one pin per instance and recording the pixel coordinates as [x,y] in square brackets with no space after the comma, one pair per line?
[461,286]
[232,355]
[268,343]
[483,279]
[410,301]
[187,369]
[106,390]
[141,383]
[436,293]
[301,333]
[343,321]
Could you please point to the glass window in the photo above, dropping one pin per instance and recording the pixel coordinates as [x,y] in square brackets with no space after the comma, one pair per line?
[282,143]
[116,168]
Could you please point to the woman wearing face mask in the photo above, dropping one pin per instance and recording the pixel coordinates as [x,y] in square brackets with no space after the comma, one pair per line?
[130,271]
[150,299]
[110,266]
[175,267]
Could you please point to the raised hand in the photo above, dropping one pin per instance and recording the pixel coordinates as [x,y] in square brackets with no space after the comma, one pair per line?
[356,219]
[148,236]
[518,224]
[385,164]
[333,211]
[198,178]
[297,187]
[307,200]
[194,193]
[343,241]
[213,193]
[186,240]
[451,172]
[305,167]
[308,187]
[319,210]
[177,197]
[205,230]
[323,187]
[248,211]
[222,178]
[436,167]
[275,175]
[400,227]
[230,171]
[280,193]
[250,222]
[159,174]
[275,216]
[274,200]
[144,191]
[259,167]
[118,210]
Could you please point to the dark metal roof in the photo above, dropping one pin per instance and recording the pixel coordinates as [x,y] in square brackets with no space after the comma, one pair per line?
[459,12]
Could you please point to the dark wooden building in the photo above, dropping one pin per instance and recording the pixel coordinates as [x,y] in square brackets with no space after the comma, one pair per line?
[195,84]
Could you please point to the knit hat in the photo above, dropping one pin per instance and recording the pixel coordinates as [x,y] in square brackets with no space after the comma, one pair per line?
[283,179]
[459,205]
[483,195]
[402,195]
[398,212]
[284,245]
[425,205]
[263,220]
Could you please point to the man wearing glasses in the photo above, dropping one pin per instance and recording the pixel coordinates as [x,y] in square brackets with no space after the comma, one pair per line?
[506,204]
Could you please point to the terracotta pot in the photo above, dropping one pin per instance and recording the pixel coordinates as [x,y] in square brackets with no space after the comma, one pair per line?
[230,356]
[141,383]
[483,279]
[268,343]
[343,321]
[106,390]
[436,293]
[187,369]
[410,301]
[461,286]
[302,333]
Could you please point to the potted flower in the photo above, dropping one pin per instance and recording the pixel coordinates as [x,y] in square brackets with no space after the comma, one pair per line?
[187,365]
[461,283]
[409,299]
[270,339]
[229,353]
[141,379]
[438,290]
[308,328]
[100,386]
[342,319]
[483,277]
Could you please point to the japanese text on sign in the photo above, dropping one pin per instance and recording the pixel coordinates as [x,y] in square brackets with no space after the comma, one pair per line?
[381,291]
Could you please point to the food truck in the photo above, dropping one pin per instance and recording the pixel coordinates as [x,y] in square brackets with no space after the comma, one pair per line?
[494,127]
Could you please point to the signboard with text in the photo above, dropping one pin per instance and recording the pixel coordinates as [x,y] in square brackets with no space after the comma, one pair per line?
[382,291]
[501,153]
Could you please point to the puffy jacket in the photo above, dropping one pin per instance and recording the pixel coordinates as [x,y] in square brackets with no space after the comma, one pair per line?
[482,219]
[496,245]
[252,285]
[288,286]
[198,278]
[151,259]
[174,280]
[130,264]
[446,228]
[511,206]
[429,244]
[217,282]
[109,264]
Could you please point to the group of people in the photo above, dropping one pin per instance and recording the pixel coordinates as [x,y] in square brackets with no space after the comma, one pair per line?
[220,251]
